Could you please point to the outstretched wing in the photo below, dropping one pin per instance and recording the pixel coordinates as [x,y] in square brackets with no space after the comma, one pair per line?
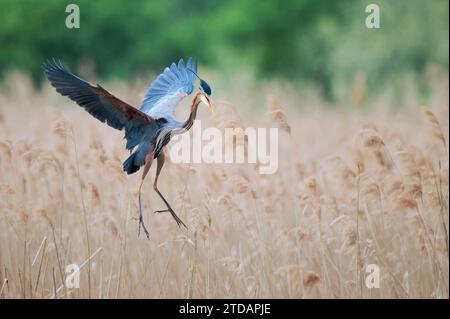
[93,98]
[99,103]
[168,89]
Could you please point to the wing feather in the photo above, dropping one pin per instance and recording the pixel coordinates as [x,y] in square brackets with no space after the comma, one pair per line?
[163,93]
[101,104]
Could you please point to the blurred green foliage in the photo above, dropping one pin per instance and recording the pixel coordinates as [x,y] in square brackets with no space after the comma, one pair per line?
[325,42]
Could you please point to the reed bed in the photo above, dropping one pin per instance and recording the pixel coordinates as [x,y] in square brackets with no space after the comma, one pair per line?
[357,184]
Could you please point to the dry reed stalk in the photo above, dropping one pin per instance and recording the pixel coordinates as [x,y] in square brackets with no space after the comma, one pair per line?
[358,241]
[44,242]
[277,115]
[436,129]
[86,225]
[256,236]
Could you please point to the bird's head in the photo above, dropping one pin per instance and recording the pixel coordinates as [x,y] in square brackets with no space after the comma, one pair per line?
[204,93]
[205,97]
[202,97]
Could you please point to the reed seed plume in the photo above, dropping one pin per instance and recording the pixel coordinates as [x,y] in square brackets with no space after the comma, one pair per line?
[355,186]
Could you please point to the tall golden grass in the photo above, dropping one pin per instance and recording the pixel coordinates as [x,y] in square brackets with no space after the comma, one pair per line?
[357,184]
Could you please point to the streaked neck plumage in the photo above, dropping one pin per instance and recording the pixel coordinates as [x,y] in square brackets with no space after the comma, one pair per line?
[175,127]
[190,121]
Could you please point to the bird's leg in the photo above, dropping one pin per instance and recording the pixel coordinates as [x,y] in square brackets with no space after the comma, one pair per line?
[148,164]
[141,218]
[159,165]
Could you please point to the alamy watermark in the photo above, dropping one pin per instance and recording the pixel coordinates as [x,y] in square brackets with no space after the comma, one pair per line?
[73,17]
[373,17]
[72,276]
[228,146]
[373,277]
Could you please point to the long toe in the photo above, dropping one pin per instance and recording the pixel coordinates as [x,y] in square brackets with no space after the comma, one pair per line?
[160,211]
[141,223]
[178,220]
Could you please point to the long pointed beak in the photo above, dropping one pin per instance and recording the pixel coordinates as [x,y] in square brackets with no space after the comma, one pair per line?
[211,107]
[205,99]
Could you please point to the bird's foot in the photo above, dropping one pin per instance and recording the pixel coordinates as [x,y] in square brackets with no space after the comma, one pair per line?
[160,211]
[141,223]
[170,210]
[141,220]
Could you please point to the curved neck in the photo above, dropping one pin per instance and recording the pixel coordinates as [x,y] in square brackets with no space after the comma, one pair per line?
[190,121]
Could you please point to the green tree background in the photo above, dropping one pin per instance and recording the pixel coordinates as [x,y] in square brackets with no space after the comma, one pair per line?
[322,42]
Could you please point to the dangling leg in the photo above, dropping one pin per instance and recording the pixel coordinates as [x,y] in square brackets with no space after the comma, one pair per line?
[148,164]
[159,164]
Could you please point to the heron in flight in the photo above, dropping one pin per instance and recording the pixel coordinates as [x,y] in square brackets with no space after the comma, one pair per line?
[147,129]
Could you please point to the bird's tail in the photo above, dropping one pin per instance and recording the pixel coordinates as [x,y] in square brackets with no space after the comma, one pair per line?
[129,165]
